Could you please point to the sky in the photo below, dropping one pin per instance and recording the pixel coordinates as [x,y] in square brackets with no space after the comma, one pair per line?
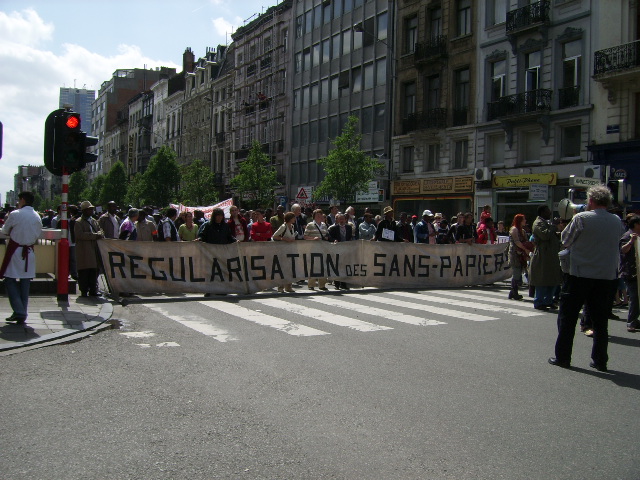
[48,44]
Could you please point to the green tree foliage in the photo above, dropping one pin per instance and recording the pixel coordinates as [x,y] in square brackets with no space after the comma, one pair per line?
[94,191]
[161,180]
[78,183]
[134,191]
[347,168]
[51,204]
[257,179]
[37,201]
[115,185]
[198,185]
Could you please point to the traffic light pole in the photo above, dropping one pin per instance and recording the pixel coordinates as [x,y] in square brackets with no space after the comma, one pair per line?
[63,243]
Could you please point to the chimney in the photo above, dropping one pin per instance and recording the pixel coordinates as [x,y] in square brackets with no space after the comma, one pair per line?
[188,60]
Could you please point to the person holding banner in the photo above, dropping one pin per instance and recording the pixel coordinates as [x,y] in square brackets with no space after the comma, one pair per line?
[286,233]
[87,233]
[387,228]
[260,230]
[519,250]
[314,231]
[629,271]
[238,225]
[216,230]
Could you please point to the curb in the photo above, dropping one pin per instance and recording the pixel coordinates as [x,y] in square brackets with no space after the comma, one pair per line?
[90,327]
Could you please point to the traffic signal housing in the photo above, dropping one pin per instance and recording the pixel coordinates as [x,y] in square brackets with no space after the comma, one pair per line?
[65,144]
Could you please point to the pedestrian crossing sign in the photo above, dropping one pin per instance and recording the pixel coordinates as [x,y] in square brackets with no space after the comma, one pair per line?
[302,194]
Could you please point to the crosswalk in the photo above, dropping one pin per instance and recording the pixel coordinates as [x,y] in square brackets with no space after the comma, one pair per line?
[311,315]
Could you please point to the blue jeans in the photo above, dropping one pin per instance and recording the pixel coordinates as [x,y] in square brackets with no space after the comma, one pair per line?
[595,294]
[18,292]
[543,296]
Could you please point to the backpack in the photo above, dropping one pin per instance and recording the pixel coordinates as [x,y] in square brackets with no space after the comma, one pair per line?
[160,236]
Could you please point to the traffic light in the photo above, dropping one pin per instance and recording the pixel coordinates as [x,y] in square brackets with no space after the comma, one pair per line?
[65,145]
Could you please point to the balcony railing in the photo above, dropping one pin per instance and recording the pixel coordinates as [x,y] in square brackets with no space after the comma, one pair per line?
[569,97]
[432,118]
[433,48]
[621,57]
[528,16]
[460,116]
[521,103]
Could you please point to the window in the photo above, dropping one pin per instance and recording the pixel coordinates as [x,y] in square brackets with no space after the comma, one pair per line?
[266,45]
[334,87]
[496,12]
[461,153]
[410,34]
[308,21]
[326,12]
[433,157]
[306,59]
[298,62]
[305,97]
[409,99]
[323,130]
[464,17]
[348,5]
[346,42]
[368,76]
[461,98]
[296,99]
[337,8]
[356,80]
[571,63]
[379,118]
[343,84]
[498,76]
[335,46]
[368,39]
[315,92]
[433,92]
[333,126]
[299,26]
[313,132]
[326,50]
[435,23]
[570,141]
[494,151]
[382,26]
[532,73]
[357,39]
[381,72]
[317,16]
[530,149]
[304,135]
[324,90]
[315,55]
[407,159]
[366,120]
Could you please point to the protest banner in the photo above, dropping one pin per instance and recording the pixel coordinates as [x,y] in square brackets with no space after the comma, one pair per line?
[225,206]
[246,267]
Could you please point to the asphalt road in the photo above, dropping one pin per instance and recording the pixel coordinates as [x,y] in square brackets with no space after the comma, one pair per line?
[217,388]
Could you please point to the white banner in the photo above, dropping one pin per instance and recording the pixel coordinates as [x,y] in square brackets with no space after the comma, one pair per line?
[225,205]
[246,267]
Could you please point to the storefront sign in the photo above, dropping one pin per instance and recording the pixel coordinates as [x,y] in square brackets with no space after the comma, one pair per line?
[524,180]
[583,181]
[406,187]
[370,195]
[538,192]
[437,185]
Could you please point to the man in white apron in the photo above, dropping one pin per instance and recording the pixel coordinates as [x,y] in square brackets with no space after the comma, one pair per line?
[23,226]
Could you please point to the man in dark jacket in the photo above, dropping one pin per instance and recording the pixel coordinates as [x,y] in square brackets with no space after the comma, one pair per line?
[216,230]
[341,231]
[388,228]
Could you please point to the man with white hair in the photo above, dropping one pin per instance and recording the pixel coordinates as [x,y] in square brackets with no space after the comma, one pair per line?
[592,240]
[301,221]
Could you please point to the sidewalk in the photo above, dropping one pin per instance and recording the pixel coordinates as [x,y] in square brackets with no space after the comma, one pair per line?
[50,322]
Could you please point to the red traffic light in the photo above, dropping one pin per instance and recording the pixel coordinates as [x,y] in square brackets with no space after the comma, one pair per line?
[73,121]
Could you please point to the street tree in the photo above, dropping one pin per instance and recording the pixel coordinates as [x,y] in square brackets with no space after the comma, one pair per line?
[161,179]
[135,192]
[94,191]
[198,185]
[115,185]
[257,179]
[347,168]
[78,182]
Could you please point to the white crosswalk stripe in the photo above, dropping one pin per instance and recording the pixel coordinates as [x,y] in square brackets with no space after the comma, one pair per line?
[353,311]
[432,308]
[321,315]
[379,312]
[481,304]
[264,319]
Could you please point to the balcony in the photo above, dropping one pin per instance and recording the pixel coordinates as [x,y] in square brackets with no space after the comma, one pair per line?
[431,50]
[569,97]
[528,17]
[432,118]
[525,103]
[619,61]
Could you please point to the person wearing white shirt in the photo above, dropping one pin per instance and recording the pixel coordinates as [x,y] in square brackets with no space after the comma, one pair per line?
[23,226]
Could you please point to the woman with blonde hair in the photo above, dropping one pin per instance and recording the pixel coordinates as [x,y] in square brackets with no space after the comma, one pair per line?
[286,233]
[519,250]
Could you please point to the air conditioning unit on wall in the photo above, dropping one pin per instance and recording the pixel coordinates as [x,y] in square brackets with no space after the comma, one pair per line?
[593,171]
[483,174]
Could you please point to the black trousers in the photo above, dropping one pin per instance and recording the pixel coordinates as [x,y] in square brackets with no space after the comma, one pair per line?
[595,294]
[88,281]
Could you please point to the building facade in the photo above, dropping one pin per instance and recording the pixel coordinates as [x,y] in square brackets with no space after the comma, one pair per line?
[81,100]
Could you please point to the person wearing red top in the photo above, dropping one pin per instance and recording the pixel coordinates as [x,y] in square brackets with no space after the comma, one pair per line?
[260,230]
[238,225]
[486,232]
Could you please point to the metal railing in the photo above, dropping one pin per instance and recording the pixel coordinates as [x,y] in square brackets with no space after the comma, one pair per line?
[432,118]
[521,103]
[620,57]
[569,97]
[528,15]
[435,47]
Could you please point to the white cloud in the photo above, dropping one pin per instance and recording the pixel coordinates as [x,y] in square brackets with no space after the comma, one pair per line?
[223,26]
[31,77]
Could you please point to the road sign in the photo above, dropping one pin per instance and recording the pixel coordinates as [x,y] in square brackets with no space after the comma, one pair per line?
[304,194]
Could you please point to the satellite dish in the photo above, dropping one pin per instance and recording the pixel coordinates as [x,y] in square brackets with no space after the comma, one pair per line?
[567,209]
